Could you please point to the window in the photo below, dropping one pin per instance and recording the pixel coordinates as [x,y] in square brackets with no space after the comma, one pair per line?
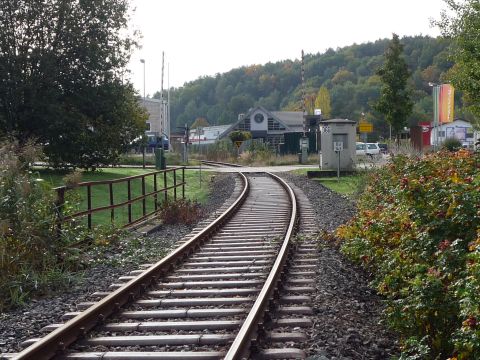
[275,140]
[148,126]
[274,125]
[340,138]
[244,125]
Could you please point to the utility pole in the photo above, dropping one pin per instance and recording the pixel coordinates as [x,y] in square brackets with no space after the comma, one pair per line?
[304,140]
[162,105]
[303,94]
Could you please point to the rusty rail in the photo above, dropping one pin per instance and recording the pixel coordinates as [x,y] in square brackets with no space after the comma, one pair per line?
[62,190]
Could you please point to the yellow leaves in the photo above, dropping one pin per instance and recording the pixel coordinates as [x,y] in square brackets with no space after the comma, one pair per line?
[455,179]
[453,205]
[463,154]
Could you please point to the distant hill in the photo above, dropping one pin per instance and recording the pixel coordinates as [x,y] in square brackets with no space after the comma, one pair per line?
[348,73]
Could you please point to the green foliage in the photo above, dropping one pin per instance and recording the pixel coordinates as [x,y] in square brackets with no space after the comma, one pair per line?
[32,257]
[395,97]
[463,28]
[199,122]
[418,232]
[258,153]
[62,67]
[221,150]
[276,86]
[451,144]
[239,135]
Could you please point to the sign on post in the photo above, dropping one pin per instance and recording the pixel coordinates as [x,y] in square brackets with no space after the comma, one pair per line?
[365,127]
[238,144]
[338,148]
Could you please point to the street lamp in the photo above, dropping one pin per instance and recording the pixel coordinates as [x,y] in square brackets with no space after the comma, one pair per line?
[143,62]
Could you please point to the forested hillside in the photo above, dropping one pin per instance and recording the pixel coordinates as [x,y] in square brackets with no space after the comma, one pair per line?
[348,73]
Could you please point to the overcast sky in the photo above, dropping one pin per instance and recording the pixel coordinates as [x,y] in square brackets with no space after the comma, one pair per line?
[206,37]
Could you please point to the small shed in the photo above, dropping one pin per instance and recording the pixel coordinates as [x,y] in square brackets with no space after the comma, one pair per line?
[335,134]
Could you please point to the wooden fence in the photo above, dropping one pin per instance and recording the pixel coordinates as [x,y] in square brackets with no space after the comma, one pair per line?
[153,178]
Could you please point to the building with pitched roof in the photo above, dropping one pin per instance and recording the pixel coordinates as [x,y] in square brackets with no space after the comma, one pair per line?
[270,126]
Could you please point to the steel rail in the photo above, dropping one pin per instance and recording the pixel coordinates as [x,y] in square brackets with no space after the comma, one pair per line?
[218,163]
[240,348]
[55,342]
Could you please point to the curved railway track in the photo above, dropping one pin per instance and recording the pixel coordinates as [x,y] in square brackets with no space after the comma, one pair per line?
[234,290]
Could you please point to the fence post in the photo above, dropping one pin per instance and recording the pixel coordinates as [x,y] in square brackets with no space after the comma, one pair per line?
[165,185]
[129,197]
[175,184]
[112,212]
[183,182]
[144,203]
[155,190]
[89,205]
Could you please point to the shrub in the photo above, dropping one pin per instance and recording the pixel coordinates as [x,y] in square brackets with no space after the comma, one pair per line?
[451,144]
[27,223]
[418,232]
[34,257]
[181,211]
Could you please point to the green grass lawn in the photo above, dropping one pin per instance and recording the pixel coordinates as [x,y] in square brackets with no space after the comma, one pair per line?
[346,185]
[77,199]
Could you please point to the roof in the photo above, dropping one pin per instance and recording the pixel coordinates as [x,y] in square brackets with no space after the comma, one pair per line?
[338,121]
[289,118]
[456,122]
[213,129]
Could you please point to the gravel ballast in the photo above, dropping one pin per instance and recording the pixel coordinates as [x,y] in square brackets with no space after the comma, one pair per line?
[25,323]
[347,312]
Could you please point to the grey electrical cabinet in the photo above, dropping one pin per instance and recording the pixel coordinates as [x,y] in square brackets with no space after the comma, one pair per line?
[338,136]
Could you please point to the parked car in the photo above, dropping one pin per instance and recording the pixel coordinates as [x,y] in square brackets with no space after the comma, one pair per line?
[383,148]
[370,149]
[373,149]
[361,148]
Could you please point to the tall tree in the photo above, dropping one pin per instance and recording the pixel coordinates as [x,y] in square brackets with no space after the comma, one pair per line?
[200,122]
[395,96]
[62,67]
[464,29]
[323,102]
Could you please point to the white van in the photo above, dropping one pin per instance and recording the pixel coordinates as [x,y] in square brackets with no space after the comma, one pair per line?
[370,149]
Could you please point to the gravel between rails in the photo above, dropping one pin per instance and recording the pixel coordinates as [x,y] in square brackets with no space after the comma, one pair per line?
[24,323]
[347,312]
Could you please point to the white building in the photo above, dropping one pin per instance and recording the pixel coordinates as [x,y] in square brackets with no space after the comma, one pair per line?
[208,134]
[459,129]
[157,121]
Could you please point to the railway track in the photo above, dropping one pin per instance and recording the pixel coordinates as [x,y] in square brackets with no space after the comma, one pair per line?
[236,289]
